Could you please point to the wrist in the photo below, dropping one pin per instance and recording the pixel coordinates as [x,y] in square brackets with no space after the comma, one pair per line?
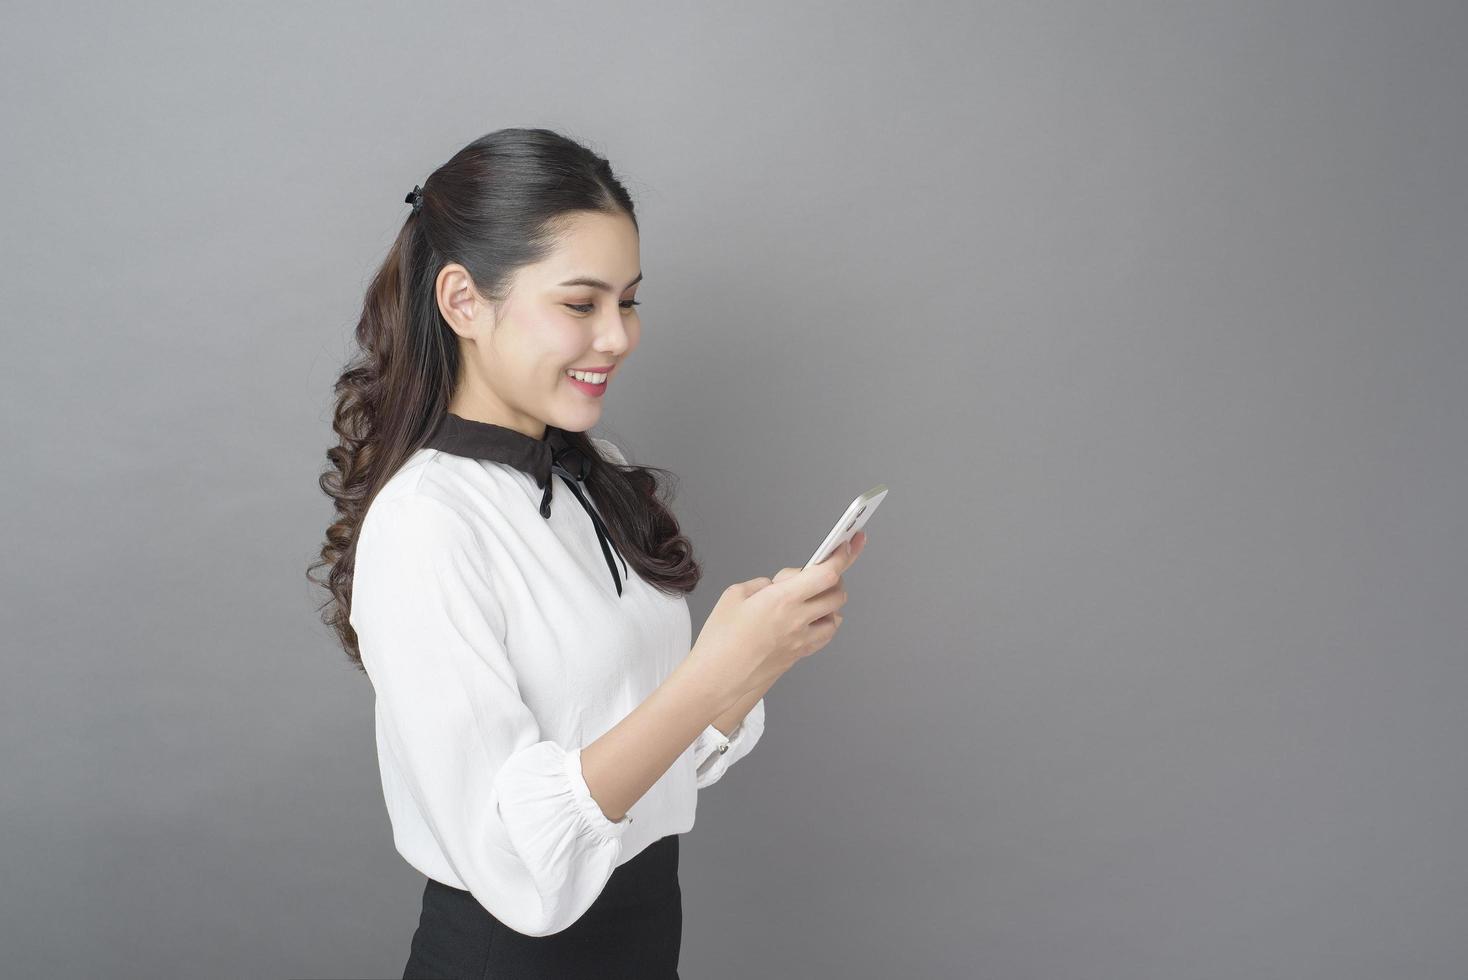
[704,689]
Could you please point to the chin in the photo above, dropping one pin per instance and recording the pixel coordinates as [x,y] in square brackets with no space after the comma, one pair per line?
[576,418]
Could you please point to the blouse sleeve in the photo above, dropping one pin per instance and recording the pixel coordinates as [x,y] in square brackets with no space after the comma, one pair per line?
[713,754]
[508,808]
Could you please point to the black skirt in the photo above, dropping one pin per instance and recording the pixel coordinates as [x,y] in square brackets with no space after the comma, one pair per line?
[634,929]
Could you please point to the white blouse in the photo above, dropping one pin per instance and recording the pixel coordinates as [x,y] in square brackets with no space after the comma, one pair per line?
[497,647]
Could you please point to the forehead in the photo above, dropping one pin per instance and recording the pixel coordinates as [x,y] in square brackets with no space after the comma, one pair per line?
[603,246]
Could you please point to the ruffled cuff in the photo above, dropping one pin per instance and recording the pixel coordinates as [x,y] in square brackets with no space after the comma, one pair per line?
[557,829]
[714,753]
[591,811]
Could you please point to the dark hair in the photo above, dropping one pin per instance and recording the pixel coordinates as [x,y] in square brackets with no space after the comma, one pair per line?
[495,206]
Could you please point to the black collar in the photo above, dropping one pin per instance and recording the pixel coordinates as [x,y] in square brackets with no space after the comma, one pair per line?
[541,458]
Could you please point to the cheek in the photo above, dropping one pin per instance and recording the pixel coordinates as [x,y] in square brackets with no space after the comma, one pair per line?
[560,343]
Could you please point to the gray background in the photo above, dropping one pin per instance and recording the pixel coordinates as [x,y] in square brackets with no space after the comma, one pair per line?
[1151,316]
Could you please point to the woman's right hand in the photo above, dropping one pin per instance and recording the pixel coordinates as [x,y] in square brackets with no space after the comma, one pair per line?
[759,629]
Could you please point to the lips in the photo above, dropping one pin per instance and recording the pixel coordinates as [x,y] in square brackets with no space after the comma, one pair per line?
[586,386]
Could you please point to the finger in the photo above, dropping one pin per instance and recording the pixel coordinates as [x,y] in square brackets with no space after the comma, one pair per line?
[841,558]
[812,580]
[755,585]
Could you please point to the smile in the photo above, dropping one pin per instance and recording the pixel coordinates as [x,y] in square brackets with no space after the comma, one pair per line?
[595,390]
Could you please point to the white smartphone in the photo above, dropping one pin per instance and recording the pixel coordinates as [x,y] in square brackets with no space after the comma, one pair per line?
[853,520]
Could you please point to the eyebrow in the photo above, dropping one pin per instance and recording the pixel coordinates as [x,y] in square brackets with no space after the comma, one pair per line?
[597,283]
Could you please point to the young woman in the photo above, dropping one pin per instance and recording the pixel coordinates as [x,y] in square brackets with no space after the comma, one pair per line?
[543,724]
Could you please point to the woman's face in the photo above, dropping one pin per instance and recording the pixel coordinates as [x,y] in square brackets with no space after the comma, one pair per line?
[515,354]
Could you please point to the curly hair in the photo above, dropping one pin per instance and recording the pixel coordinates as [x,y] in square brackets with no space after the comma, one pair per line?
[493,207]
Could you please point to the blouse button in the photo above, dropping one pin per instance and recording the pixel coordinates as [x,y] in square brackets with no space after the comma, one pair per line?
[724,747]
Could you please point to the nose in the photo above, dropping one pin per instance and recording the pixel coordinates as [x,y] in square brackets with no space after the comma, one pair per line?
[612,337]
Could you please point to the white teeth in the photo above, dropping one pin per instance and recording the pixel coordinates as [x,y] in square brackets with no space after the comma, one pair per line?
[595,379]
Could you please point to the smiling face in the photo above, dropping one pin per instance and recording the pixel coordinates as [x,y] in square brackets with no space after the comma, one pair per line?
[515,354]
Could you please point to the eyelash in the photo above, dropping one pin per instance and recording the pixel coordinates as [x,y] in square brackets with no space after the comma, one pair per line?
[586,307]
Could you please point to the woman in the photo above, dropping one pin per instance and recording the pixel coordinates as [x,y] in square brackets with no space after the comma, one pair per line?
[542,724]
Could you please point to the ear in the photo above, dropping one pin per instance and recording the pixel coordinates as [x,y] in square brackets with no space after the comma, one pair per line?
[458,300]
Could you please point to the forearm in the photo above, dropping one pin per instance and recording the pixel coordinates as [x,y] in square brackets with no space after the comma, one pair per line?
[622,765]
[729,720]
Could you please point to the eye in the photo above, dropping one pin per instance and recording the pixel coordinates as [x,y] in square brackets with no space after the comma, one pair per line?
[627,304]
